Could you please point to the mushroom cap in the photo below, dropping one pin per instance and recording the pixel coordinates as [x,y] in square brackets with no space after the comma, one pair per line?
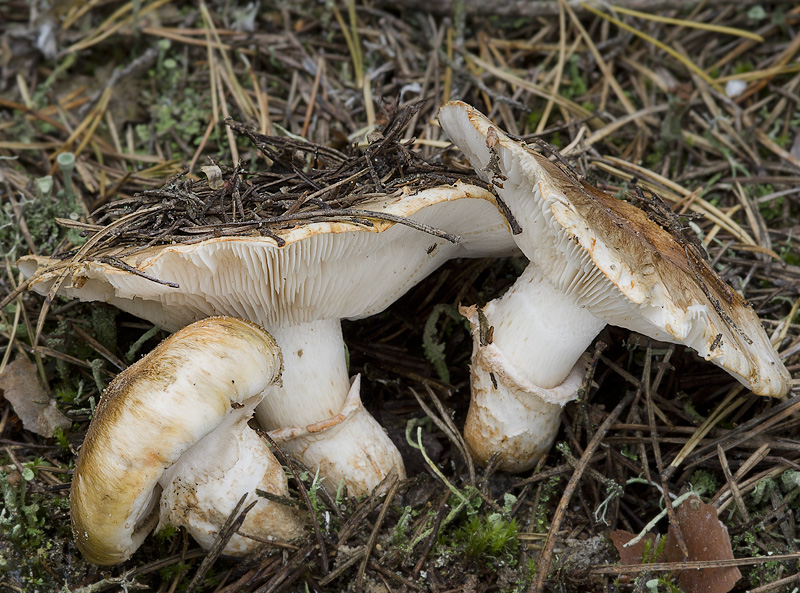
[150,415]
[624,267]
[324,270]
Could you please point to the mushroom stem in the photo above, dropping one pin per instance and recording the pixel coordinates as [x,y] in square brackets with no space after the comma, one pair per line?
[202,489]
[541,330]
[317,416]
[315,381]
[526,371]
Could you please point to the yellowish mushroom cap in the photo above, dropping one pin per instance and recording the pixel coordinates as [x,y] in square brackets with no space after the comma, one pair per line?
[152,414]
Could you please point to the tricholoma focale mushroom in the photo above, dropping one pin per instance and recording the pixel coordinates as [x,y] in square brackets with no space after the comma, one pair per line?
[169,444]
[594,260]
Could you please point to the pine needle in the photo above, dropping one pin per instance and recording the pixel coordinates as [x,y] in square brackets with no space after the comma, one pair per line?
[691,24]
[674,53]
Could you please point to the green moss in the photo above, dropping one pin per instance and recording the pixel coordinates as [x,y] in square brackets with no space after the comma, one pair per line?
[488,538]
[40,214]
[30,541]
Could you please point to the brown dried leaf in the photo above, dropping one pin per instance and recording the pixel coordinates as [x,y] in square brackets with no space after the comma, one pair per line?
[706,539]
[632,554]
[23,391]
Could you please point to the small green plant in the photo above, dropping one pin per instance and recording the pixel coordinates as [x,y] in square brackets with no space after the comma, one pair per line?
[434,351]
[19,519]
[30,541]
[550,488]
[653,549]
[704,482]
[166,533]
[491,537]
[789,254]
[399,536]
[69,393]
[61,440]
[173,571]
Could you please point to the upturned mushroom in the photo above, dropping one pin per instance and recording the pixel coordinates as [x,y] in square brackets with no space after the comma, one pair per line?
[169,444]
[298,284]
[594,260]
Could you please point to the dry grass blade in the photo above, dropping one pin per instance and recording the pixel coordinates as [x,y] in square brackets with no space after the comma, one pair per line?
[687,23]
[688,565]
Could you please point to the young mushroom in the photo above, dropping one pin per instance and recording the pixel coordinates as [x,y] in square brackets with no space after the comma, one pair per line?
[169,444]
[594,260]
[298,284]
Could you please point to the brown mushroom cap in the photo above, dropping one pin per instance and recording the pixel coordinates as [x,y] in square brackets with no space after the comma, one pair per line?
[619,264]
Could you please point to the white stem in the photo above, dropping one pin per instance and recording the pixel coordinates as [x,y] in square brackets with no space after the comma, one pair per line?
[201,490]
[315,381]
[527,372]
[541,331]
[318,417]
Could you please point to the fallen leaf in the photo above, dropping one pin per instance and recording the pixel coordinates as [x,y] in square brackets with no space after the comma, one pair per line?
[29,400]
[214,174]
[706,539]
[632,554]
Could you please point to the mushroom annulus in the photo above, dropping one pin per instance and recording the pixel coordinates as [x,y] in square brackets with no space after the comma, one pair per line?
[594,260]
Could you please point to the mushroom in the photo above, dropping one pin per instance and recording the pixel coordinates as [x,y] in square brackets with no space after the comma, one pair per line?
[299,284]
[169,444]
[594,260]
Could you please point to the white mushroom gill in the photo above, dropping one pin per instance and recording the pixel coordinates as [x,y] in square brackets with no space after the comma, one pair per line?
[594,260]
